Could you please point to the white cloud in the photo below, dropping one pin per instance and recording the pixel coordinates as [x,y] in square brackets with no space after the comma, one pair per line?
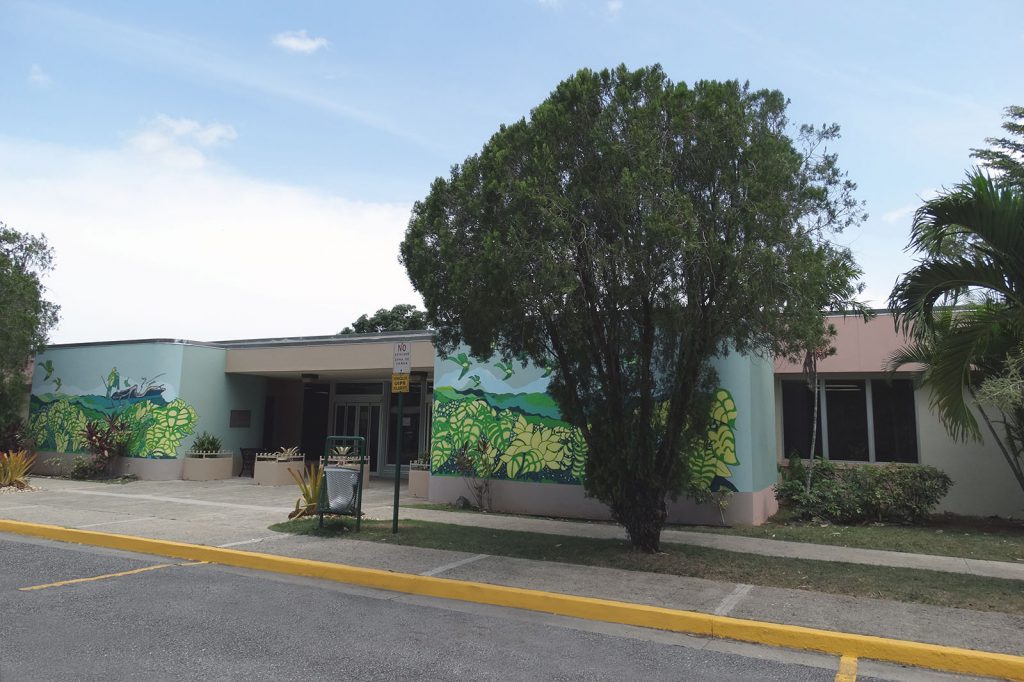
[613,7]
[38,77]
[177,142]
[299,41]
[901,215]
[203,252]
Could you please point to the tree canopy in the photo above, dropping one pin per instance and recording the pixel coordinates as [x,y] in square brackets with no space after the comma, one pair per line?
[26,316]
[402,317]
[1005,155]
[627,233]
[963,304]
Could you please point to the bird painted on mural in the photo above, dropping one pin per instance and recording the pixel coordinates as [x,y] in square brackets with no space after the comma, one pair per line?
[462,360]
[57,383]
[48,367]
[548,369]
[475,378]
[507,368]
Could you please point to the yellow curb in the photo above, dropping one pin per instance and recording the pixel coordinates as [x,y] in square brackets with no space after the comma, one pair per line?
[951,659]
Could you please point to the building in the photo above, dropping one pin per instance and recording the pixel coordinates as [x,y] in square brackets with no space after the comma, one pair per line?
[270,393]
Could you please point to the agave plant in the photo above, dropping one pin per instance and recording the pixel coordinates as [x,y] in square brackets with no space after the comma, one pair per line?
[311,483]
[14,468]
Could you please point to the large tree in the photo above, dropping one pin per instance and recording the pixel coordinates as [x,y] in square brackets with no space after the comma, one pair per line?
[25,315]
[627,233]
[402,317]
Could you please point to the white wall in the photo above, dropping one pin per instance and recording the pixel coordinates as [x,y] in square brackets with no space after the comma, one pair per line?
[983,484]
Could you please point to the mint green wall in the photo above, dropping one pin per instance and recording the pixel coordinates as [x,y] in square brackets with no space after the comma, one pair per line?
[750,379]
[214,394]
[140,382]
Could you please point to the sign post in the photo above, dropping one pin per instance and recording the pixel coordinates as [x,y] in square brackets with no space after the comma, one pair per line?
[399,384]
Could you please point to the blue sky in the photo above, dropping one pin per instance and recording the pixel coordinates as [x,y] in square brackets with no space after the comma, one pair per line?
[251,165]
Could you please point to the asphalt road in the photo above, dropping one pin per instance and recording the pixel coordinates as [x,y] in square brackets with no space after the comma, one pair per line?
[194,622]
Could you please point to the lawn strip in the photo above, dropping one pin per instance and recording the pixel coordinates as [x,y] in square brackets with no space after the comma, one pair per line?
[955,537]
[882,582]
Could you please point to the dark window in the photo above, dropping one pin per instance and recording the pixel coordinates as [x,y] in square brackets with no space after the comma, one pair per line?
[797,413]
[846,401]
[895,421]
[893,429]
[240,419]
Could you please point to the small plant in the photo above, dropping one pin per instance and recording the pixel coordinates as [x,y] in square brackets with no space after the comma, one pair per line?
[282,455]
[311,483]
[478,464]
[83,469]
[15,437]
[106,441]
[206,443]
[14,468]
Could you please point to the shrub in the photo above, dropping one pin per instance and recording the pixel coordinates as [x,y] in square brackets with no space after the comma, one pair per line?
[84,468]
[207,442]
[106,440]
[900,493]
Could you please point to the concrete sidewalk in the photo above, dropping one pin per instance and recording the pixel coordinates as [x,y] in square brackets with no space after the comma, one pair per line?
[236,513]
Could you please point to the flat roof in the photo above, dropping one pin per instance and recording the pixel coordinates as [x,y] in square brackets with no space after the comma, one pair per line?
[336,339]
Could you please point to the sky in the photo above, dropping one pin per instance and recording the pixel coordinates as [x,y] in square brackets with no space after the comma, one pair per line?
[246,169]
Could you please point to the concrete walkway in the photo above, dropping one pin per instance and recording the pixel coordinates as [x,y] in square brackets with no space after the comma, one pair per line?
[236,513]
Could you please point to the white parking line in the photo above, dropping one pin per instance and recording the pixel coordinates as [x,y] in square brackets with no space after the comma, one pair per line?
[455,564]
[111,523]
[20,506]
[732,599]
[252,541]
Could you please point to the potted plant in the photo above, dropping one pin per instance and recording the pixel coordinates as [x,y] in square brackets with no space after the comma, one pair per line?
[272,468]
[419,477]
[207,460]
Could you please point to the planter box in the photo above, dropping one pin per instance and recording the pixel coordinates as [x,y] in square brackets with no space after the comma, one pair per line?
[266,472]
[209,467]
[419,483]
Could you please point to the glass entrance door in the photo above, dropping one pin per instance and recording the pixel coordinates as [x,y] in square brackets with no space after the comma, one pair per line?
[360,419]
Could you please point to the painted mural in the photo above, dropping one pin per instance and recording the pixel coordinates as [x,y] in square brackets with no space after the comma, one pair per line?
[709,467]
[58,416]
[508,405]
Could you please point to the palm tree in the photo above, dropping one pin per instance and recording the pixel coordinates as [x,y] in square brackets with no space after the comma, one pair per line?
[963,308]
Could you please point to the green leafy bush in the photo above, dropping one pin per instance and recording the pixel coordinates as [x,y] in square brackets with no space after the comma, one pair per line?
[900,493]
[207,442]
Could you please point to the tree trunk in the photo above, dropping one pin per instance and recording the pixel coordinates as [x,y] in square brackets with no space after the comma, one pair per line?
[644,517]
[814,434]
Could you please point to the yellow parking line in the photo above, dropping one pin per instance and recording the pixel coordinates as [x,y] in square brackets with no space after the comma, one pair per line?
[75,581]
[847,669]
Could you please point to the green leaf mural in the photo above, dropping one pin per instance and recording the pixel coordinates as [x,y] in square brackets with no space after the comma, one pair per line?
[156,427]
[533,447]
[66,421]
[713,460]
[170,424]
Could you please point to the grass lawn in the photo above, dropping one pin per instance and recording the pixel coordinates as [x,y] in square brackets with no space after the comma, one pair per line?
[909,585]
[945,535]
